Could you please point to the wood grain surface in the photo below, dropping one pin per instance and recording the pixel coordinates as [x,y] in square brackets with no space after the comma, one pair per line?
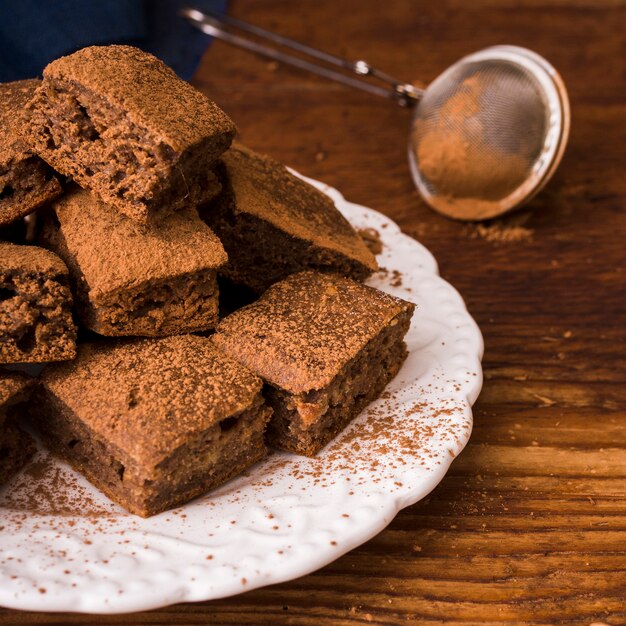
[529,527]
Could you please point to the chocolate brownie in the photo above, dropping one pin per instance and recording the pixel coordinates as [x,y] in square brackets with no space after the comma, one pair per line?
[26,182]
[16,446]
[136,279]
[15,387]
[273,224]
[153,422]
[326,345]
[121,123]
[35,306]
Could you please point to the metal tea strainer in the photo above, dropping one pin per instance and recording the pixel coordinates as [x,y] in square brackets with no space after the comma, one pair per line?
[485,136]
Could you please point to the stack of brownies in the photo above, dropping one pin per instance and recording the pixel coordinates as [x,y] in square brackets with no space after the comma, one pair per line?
[142,203]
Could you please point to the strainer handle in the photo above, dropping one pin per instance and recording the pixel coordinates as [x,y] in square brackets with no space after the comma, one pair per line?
[215,25]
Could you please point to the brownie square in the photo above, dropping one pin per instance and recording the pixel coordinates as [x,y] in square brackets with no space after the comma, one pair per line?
[35,306]
[26,182]
[325,345]
[273,224]
[153,422]
[121,123]
[136,279]
[16,446]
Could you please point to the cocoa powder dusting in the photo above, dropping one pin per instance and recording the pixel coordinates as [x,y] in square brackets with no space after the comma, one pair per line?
[387,439]
[470,176]
[46,488]
[390,441]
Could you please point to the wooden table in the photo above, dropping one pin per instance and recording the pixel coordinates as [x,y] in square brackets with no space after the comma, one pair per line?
[529,526]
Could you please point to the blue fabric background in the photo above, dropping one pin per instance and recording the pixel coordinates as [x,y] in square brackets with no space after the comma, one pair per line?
[35,32]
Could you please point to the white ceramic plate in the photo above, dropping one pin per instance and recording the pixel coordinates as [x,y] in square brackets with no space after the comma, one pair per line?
[65,547]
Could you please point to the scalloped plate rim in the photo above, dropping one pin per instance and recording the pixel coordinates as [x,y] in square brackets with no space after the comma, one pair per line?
[365,532]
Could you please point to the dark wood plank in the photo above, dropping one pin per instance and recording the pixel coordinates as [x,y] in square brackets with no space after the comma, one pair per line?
[529,527]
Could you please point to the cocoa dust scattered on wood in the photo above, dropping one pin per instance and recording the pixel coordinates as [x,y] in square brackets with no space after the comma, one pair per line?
[498,233]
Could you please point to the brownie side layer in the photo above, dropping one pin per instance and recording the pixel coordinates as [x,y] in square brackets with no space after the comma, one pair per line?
[131,170]
[273,224]
[35,316]
[26,182]
[305,423]
[205,461]
[157,308]
[16,449]
[131,279]
[15,388]
[181,305]
[260,254]
[140,138]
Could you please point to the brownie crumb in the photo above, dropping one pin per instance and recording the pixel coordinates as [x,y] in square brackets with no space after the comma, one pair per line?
[372,239]
[35,306]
